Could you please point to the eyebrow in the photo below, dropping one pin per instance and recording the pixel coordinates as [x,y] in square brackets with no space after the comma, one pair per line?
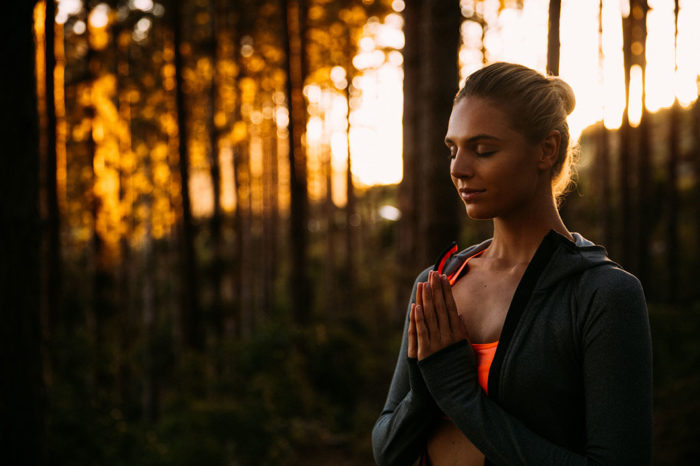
[478,137]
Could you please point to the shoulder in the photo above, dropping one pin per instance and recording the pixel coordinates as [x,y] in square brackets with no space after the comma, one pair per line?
[611,300]
[610,283]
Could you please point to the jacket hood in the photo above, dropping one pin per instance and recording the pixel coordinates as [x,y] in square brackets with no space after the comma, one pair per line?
[564,258]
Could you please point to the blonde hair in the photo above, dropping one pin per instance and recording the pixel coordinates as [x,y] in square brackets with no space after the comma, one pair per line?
[537,105]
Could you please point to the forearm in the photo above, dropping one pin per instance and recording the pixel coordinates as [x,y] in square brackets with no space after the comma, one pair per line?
[399,435]
[451,378]
[500,436]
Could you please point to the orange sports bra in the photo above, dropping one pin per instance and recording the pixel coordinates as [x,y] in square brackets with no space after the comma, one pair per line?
[484,356]
[484,351]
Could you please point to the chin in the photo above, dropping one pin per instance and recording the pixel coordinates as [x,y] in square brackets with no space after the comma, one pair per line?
[476,212]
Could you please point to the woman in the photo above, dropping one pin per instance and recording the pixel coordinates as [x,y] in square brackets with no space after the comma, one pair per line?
[531,347]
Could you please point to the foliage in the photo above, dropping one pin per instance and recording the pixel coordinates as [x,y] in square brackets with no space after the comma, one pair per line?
[124,386]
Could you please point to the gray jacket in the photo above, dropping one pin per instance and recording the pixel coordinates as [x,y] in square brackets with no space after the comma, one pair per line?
[570,383]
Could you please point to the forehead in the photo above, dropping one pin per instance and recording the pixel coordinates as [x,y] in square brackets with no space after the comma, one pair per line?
[473,116]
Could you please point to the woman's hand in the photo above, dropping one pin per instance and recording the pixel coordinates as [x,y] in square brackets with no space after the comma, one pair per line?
[433,322]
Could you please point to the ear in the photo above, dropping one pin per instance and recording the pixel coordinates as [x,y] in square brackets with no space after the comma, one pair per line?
[549,150]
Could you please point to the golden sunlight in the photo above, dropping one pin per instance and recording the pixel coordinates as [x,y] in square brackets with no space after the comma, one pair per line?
[519,34]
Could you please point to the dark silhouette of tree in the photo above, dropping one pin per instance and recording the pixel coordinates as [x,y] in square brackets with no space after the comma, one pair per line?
[624,171]
[553,44]
[190,318]
[440,209]
[673,201]
[603,155]
[52,272]
[293,13]
[241,176]
[644,178]
[22,410]
[695,199]
[350,201]
[409,227]
[216,15]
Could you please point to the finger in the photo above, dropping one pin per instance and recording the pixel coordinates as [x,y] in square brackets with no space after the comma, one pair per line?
[422,334]
[419,298]
[412,339]
[429,314]
[440,308]
[419,294]
[457,326]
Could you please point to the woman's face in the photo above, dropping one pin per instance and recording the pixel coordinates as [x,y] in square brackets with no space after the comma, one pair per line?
[495,169]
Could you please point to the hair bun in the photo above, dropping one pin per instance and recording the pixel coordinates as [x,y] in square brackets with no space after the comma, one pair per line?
[566,93]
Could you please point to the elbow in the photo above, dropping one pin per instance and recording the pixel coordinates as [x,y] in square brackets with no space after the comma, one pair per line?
[385,451]
[379,445]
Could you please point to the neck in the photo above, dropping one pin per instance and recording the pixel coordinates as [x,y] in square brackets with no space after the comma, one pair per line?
[516,237]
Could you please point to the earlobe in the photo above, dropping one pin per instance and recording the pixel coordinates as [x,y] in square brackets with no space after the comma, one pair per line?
[549,150]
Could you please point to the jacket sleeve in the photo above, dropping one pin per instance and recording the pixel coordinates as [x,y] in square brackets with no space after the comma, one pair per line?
[400,433]
[616,369]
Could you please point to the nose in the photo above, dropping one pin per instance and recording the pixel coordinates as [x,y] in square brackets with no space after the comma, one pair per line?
[461,166]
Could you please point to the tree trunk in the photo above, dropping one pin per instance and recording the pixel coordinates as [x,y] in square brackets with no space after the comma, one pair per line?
[644,213]
[241,225]
[149,393]
[101,299]
[440,210]
[696,189]
[625,217]
[603,177]
[190,319]
[603,153]
[329,215]
[22,426]
[270,214]
[350,214]
[53,271]
[409,203]
[673,205]
[553,44]
[126,317]
[294,12]
[215,172]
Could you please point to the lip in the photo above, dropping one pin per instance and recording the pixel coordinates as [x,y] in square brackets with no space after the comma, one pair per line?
[470,194]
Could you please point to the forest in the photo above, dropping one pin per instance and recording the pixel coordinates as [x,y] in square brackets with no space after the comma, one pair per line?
[212,211]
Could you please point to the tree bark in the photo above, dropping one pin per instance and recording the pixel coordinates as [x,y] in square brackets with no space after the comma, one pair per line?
[270,215]
[53,271]
[22,410]
[553,44]
[409,226]
[440,208]
[331,286]
[190,319]
[625,240]
[696,189]
[673,202]
[350,214]
[293,12]
[215,224]
[603,153]
[241,225]
[644,182]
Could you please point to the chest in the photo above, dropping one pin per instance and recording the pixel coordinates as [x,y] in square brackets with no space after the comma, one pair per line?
[483,298]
